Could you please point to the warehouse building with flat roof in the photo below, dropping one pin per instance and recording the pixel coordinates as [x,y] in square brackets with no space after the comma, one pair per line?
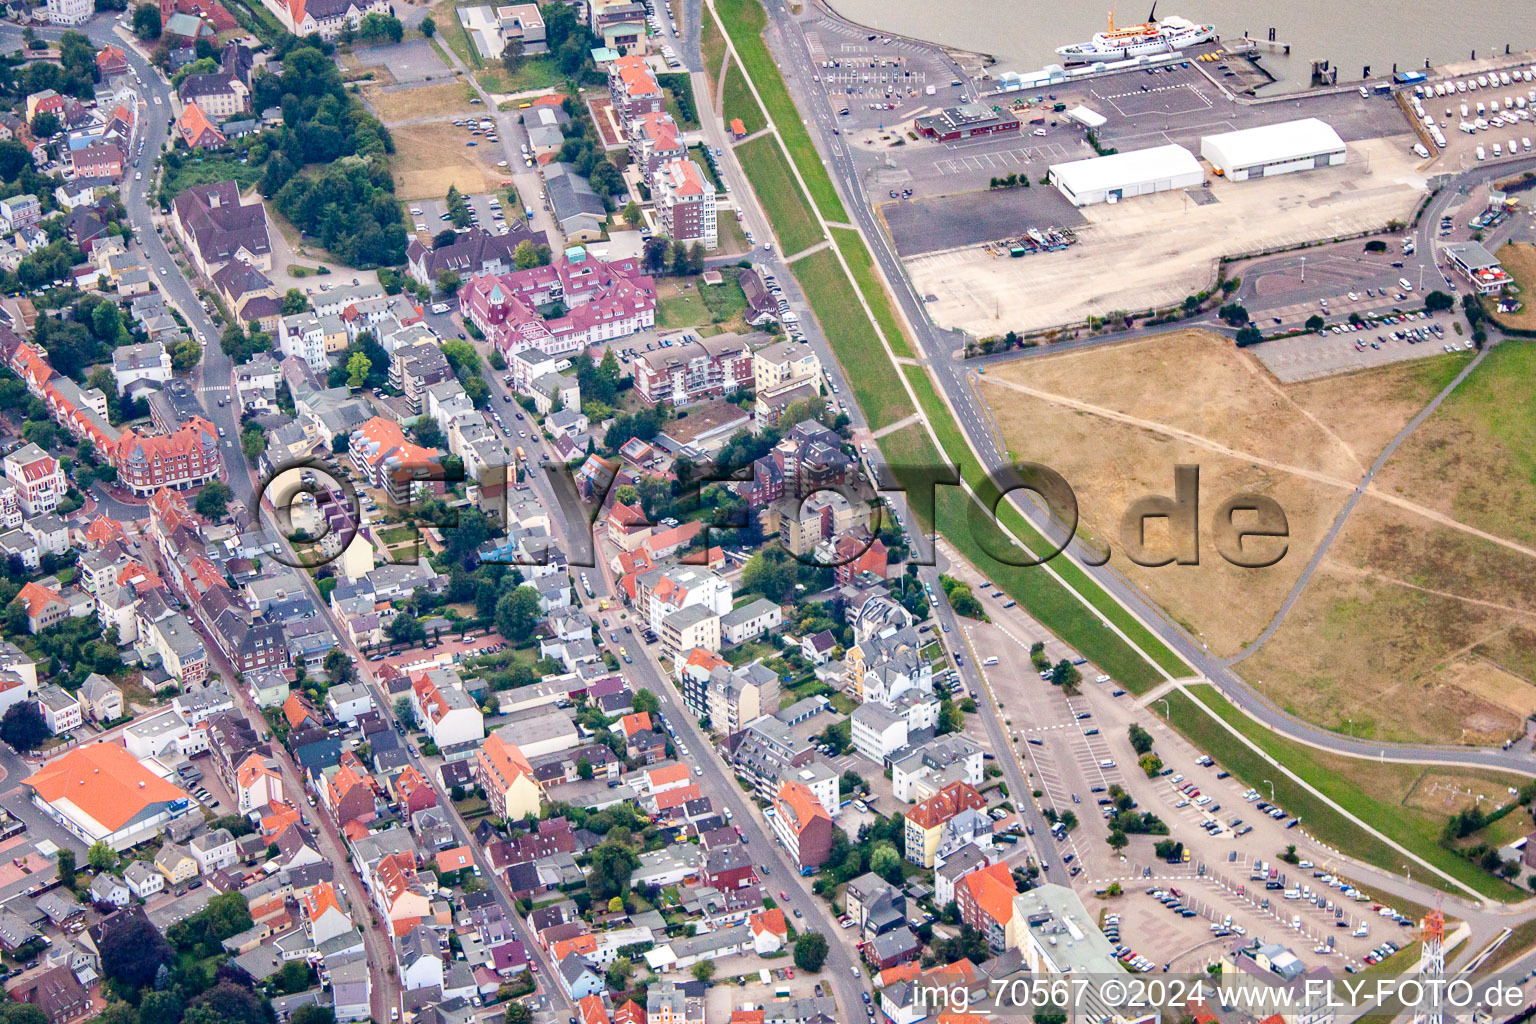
[1109,179]
[1273,149]
[967,121]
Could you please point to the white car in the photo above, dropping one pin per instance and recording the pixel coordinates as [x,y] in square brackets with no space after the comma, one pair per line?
[1038,132]
[138,175]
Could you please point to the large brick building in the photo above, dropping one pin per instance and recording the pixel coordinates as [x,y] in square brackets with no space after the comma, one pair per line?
[185,458]
[695,371]
[685,203]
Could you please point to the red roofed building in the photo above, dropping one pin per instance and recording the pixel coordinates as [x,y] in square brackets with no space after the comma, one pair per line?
[592,1011]
[384,458]
[654,139]
[399,894]
[769,931]
[627,525]
[925,822]
[630,1013]
[111,61]
[670,776]
[673,798]
[416,794]
[456,859]
[985,901]
[38,478]
[103,531]
[855,555]
[606,299]
[44,607]
[187,458]
[685,203]
[350,796]
[639,722]
[299,713]
[633,87]
[802,825]
[196,130]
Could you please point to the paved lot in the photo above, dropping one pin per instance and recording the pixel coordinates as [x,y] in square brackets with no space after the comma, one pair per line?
[1320,355]
[857,71]
[947,222]
[412,63]
[434,214]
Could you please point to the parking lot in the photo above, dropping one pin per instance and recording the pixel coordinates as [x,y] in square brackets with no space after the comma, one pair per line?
[430,216]
[879,79]
[1497,103]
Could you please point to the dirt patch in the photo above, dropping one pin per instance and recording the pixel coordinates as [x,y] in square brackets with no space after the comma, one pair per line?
[1393,637]
[1367,409]
[1111,463]
[1446,793]
[1194,381]
[1513,650]
[1519,259]
[430,101]
[1359,655]
[1486,680]
[431,157]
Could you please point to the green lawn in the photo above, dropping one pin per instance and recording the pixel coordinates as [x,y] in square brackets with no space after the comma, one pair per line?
[712,45]
[532,73]
[697,152]
[679,98]
[745,20]
[862,264]
[781,197]
[736,101]
[870,373]
[208,169]
[1354,784]
[684,310]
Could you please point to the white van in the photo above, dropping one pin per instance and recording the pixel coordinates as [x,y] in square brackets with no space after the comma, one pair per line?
[990,662]
[1106,763]
[1497,150]
[1403,281]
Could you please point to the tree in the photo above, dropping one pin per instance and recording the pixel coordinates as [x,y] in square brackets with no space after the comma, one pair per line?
[518,1013]
[810,951]
[1438,301]
[646,701]
[23,727]
[704,971]
[146,21]
[45,125]
[325,1015]
[526,255]
[1117,840]
[1233,313]
[1151,764]
[406,629]
[213,502]
[583,768]
[444,238]
[253,441]
[951,719]
[1141,740]
[294,301]
[517,613]
[358,366]
[338,666]
[512,56]
[66,862]
[429,29]
[186,354]
[1064,675]
[379,28]
[632,213]
[458,207]
[1315,323]
[404,713]
[448,282]
[696,258]
[609,868]
[100,856]
[132,951]
[231,1002]
[885,861]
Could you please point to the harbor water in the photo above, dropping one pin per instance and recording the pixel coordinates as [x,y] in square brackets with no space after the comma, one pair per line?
[1023,34]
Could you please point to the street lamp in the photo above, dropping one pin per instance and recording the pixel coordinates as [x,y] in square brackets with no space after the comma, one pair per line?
[1271,791]
[1167,708]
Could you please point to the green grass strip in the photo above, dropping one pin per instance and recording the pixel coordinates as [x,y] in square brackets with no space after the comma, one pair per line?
[869,372]
[736,100]
[745,20]
[790,215]
[1414,829]
[863,266]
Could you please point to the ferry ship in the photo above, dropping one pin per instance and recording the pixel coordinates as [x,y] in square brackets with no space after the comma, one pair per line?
[1172,33]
